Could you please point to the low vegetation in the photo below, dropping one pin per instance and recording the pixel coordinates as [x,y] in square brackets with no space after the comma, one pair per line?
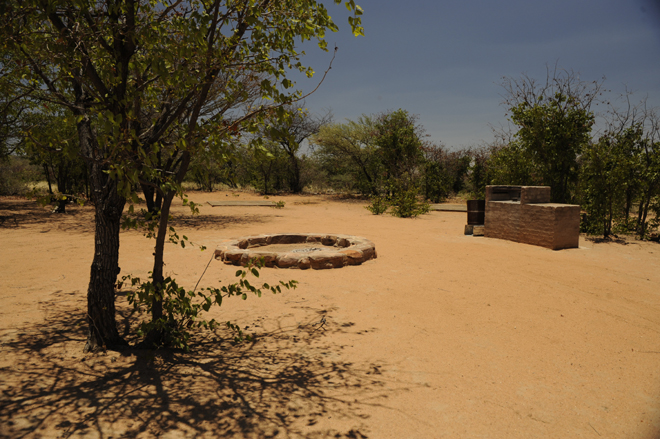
[387,159]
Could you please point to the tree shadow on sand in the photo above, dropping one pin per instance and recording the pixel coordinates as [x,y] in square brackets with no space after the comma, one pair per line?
[203,221]
[609,239]
[17,213]
[289,382]
[20,213]
[617,239]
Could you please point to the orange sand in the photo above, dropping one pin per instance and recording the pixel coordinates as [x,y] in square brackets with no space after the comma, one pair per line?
[444,335]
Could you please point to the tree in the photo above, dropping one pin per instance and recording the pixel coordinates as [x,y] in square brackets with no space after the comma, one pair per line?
[606,180]
[554,123]
[512,164]
[206,172]
[290,131]
[399,142]
[51,142]
[620,172]
[212,165]
[349,155]
[271,164]
[640,127]
[553,132]
[398,138]
[650,177]
[146,82]
[383,154]
[478,174]
[444,172]
[13,107]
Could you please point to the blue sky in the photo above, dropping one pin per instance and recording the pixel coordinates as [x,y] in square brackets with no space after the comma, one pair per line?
[444,60]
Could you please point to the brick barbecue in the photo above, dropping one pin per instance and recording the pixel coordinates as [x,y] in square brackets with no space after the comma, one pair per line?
[524,214]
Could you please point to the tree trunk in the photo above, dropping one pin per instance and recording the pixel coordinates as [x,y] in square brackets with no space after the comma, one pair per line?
[608,222]
[103,332]
[266,172]
[47,174]
[61,204]
[629,199]
[372,185]
[643,212]
[159,253]
[109,205]
[295,175]
[265,175]
[62,179]
[157,338]
[149,196]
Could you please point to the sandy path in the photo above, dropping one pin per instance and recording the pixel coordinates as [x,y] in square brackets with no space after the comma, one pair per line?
[444,335]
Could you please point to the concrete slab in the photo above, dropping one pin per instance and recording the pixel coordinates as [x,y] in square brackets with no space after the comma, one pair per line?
[242,203]
[449,207]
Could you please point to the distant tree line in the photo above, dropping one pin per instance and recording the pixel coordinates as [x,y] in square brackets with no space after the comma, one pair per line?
[614,174]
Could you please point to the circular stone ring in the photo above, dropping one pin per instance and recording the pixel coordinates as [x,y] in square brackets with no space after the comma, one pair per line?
[296,250]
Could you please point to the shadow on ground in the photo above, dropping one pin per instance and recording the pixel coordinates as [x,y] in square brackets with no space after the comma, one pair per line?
[610,239]
[17,213]
[287,383]
[202,221]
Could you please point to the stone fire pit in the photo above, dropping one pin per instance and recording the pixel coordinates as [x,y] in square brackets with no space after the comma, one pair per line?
[298,250]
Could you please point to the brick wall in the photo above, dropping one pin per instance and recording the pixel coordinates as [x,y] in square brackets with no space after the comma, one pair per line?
[567,226]
[535,194]
[502,220]
[532,220]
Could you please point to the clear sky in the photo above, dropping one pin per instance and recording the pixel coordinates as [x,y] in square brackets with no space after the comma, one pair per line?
[444,60]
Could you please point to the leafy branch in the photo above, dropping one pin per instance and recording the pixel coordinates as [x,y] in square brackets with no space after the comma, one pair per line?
[183,309]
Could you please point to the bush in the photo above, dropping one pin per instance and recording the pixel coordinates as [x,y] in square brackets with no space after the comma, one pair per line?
[378,205]
[15,175]
[405,204]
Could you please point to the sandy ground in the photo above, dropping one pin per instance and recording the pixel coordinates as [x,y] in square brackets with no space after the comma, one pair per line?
[442,336]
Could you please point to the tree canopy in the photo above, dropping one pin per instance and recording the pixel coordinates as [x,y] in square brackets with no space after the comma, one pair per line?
[146,83]
[553,121]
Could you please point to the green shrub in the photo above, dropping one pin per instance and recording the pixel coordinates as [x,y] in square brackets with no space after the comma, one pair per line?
[405,204]
[378,205]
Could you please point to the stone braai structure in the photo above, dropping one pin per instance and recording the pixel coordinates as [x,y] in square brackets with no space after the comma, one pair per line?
[297,250]
[524,214]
